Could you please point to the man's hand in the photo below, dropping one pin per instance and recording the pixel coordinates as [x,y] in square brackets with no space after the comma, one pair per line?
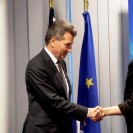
[101,111]
[95,114]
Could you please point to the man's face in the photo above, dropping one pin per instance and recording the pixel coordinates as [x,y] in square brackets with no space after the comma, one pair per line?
[64,46]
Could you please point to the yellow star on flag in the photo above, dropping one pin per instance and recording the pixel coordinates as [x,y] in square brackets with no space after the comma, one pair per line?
[89,82]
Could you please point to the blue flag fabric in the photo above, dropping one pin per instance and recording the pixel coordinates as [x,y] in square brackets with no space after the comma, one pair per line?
[130,8]
[51,16]
[87,88]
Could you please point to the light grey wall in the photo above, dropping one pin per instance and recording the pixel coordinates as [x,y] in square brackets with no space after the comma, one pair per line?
[35,26]
[7,90]
[21,56]
[23,27]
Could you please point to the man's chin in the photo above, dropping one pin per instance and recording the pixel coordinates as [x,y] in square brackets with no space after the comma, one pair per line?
[63,57]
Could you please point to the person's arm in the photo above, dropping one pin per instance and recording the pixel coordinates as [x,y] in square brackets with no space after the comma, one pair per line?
[127,107]
[124,108]
[43,88]
[114,110]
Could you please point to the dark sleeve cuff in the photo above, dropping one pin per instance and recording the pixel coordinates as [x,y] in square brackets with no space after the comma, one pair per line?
[81,113]
[126,107]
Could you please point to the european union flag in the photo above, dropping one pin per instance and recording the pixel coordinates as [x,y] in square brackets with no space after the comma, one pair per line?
[87,88]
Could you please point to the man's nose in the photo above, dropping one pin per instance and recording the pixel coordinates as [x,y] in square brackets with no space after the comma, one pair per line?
[69,50]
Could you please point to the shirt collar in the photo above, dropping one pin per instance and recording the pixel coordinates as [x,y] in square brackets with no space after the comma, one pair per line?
[54,59]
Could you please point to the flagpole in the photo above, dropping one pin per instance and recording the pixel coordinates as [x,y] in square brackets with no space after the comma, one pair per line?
[86,5]
[50,3]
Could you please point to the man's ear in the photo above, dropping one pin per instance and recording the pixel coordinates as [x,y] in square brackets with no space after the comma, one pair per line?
[53,41]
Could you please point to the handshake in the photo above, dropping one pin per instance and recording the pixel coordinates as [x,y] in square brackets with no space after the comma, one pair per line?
[97,113]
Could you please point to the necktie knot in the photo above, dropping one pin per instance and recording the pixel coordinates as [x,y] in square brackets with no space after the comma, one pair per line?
[58,62]
[59,65]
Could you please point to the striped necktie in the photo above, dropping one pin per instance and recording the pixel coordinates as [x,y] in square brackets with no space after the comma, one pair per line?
[62,75]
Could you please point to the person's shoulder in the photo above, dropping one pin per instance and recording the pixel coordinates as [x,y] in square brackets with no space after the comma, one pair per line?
[36,60]
[130,64]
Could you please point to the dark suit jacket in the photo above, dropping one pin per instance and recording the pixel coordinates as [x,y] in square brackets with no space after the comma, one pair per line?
[127,107]
[49,109]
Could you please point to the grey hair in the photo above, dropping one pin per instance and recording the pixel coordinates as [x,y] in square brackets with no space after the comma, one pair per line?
[58,29]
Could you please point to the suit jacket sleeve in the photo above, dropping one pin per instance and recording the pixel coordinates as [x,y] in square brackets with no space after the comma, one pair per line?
[45,91]
[127,106]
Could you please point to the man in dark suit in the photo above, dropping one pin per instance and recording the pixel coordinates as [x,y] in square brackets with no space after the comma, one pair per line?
[48,86]
[125,108]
